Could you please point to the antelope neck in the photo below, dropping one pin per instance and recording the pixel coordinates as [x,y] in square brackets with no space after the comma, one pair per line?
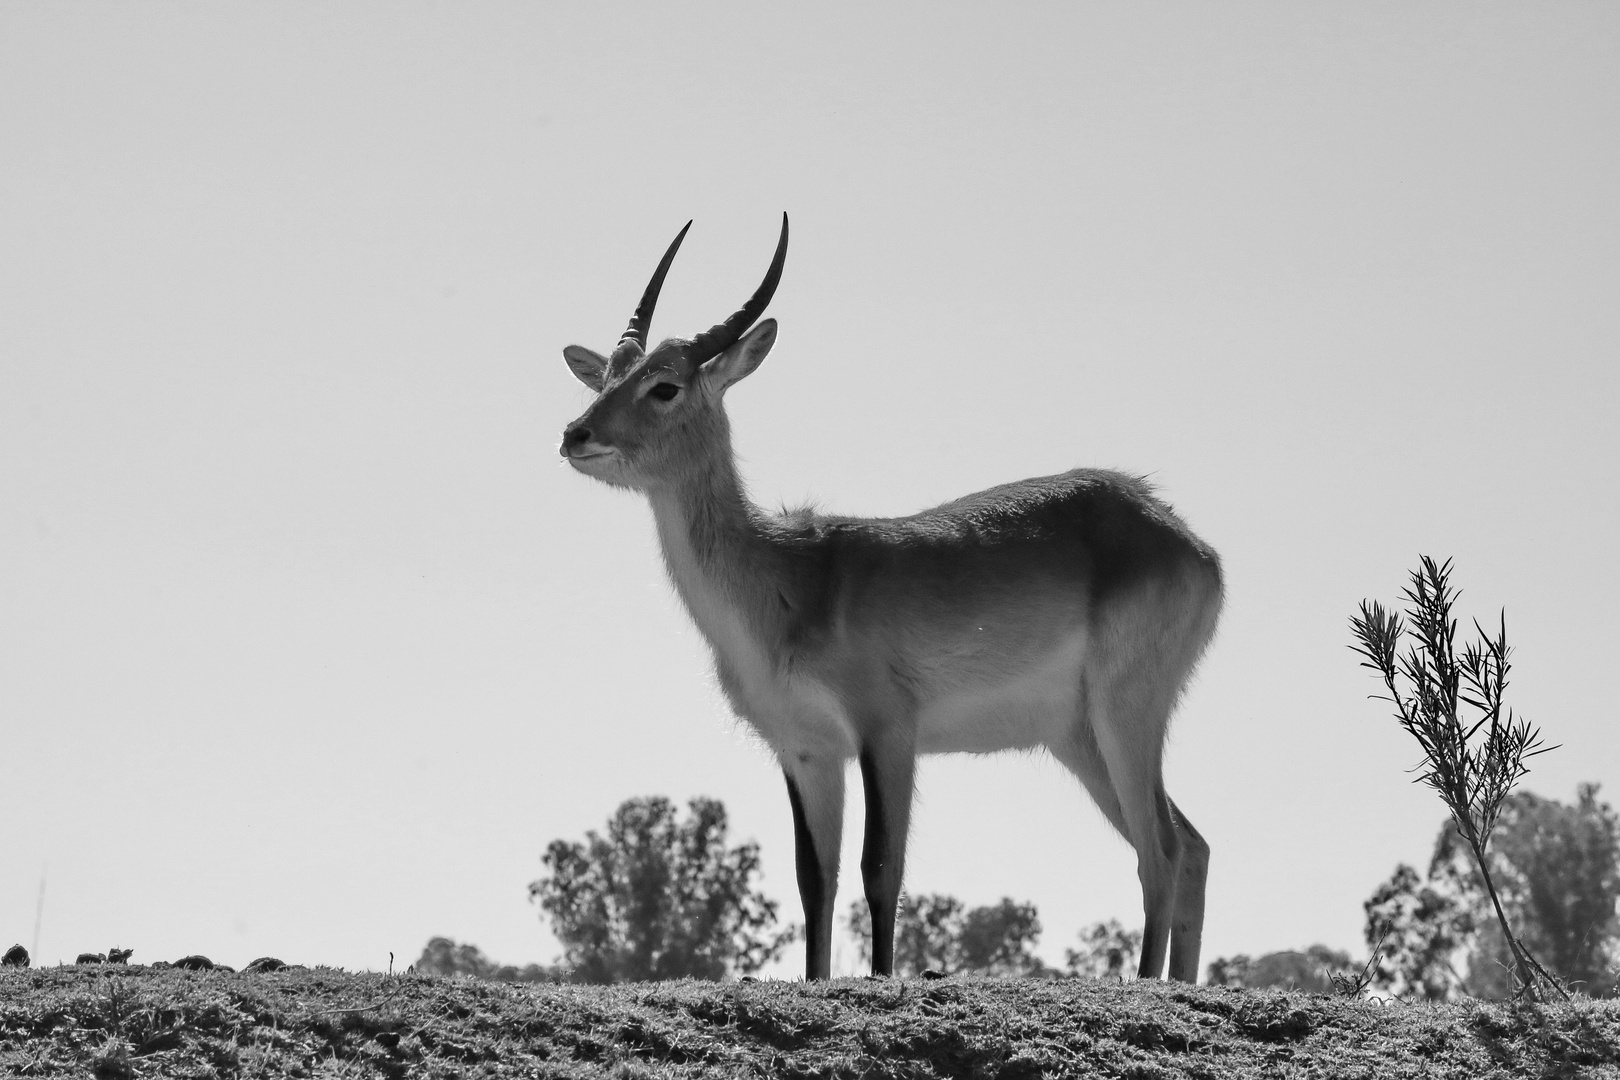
[714,544]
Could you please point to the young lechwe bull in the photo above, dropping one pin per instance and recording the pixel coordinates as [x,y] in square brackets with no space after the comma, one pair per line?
[1064,611]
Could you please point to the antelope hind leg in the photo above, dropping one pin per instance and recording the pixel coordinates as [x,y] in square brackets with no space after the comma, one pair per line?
[1130,736]
[1187,928]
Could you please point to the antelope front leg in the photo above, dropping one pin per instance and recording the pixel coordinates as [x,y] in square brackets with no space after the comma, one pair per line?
[887,768]
[816,793]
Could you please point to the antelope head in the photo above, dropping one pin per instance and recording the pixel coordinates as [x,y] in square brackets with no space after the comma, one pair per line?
[658,414]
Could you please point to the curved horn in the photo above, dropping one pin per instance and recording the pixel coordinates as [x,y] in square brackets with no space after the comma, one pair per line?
[642,319]
[719,337]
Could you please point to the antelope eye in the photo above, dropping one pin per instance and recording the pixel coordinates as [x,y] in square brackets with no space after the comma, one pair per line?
[664,391]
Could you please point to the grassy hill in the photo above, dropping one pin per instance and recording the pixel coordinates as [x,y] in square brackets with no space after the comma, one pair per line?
[117,1022]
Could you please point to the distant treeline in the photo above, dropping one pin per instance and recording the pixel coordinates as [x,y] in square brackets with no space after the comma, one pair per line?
[661,897]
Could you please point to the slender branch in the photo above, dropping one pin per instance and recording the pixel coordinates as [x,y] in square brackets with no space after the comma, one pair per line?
[1474,766]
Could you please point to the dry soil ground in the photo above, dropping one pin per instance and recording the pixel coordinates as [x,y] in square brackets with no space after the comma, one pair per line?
[117,1022]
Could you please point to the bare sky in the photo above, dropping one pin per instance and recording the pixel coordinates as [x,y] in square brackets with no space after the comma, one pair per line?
[309,644]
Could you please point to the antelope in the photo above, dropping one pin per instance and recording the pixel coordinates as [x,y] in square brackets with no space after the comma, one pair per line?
[1064,612]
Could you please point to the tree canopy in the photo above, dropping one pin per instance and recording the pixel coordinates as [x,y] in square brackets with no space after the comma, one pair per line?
[935,932]
[1107,951]
[1557,868]
[659,898]
[442,956]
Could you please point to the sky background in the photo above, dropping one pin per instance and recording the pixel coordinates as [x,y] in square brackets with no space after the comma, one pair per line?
[309,643]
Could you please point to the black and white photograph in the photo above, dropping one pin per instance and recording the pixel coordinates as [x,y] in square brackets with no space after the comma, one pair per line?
[838,540]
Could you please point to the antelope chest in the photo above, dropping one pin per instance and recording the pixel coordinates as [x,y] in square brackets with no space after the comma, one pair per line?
[797,716]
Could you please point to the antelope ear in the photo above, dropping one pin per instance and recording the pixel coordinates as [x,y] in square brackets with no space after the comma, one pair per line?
[588,367]
[740,360]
